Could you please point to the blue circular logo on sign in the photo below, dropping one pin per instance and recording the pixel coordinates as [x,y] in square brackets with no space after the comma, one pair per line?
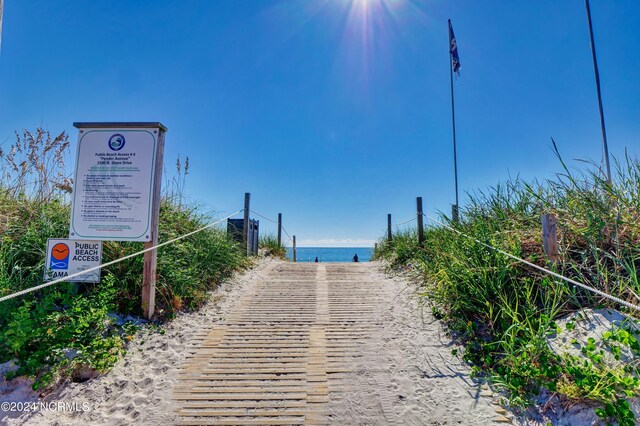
[116,142]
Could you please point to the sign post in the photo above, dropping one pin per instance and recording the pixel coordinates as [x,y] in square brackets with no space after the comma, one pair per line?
[118,178]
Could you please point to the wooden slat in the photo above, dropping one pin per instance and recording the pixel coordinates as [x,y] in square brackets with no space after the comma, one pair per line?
[285,348]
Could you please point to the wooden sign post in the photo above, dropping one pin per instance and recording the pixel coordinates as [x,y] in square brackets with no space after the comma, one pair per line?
[116,197]
[151,257]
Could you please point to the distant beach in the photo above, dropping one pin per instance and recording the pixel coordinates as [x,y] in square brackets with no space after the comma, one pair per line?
[331,254]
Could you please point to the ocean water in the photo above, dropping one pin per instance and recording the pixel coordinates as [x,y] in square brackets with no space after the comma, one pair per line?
[331,254]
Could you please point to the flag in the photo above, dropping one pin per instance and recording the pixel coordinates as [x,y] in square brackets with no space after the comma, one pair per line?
[453,50]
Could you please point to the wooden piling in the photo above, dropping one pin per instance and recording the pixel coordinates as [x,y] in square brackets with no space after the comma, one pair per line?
[420,223]
[389,236]
[279,229]
[245,228]
[294,248]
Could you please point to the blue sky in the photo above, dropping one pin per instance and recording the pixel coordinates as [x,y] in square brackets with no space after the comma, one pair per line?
[341,107]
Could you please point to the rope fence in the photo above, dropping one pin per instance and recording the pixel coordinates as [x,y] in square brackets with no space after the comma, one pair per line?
[539,268]
[276,222]
[113,262]
[264,217]
[405,222]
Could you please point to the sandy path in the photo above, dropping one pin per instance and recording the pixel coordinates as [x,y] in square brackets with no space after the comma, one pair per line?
[367,352]
[138,390]
[410,377]
[329,344]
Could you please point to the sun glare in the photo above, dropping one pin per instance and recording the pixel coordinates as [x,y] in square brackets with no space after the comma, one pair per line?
[366,33]
[370,28]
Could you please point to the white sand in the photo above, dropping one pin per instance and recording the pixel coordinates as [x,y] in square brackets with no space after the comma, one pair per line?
[139,389]
[412,379]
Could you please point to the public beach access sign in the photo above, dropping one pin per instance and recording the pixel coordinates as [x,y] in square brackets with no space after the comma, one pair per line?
[66,257]
[114,181]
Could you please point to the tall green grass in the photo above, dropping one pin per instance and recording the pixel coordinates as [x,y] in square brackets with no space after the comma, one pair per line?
[60,330]
[501,310]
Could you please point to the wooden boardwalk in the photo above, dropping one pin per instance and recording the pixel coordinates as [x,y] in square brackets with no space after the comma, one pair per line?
[284,349]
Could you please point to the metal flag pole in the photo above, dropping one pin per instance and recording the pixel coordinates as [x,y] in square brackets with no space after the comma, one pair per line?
[1,7]
[454,208]
[597,73]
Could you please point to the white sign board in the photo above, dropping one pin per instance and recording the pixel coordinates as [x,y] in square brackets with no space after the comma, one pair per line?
[113,187]
[66,257]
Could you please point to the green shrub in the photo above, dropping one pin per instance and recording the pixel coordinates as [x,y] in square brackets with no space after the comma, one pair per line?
[39,326]
[42,334]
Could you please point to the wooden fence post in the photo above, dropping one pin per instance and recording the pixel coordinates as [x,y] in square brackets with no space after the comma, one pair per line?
[245,227]
[256,237]
[454,213]
[279,229]
[550,237]
[294,248]
[389,236]
[420,224]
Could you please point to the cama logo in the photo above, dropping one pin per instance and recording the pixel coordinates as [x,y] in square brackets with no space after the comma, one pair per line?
[59,256]
[116,142]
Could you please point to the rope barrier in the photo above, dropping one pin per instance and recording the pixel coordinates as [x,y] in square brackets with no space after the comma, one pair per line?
[274,221]
[264,217]
[287,234]
[406,221]
[113,262]
[540,268]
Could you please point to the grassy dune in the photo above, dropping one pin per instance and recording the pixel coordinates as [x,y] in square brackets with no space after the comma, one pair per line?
[502,311]
[269,245]
[59,331]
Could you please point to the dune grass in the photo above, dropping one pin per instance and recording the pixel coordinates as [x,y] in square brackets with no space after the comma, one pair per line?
[270,247]
[54,333]
[502,311]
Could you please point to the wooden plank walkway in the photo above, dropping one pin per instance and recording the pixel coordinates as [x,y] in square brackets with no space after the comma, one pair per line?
[284,349]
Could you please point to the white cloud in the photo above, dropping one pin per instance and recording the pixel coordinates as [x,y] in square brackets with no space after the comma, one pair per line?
[330,242]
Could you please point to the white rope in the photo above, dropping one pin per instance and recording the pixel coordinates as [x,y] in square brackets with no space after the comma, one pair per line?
[540,268]
[264,217]
[113,262]
[274,221]
[287,234]
[406,221]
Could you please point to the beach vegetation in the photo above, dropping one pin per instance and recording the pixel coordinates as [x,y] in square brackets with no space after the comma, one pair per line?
[63,331]
[502,311]
[269,246]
